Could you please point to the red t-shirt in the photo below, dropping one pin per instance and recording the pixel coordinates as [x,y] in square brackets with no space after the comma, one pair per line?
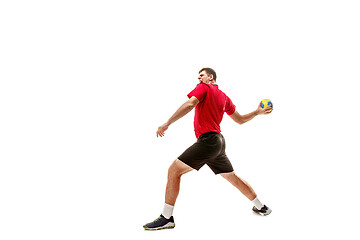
[210,109]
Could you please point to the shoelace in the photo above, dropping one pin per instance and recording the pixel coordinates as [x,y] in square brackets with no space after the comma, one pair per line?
[264,209]
[157,219]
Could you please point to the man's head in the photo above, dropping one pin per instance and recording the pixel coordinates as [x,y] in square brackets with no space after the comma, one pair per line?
[207,75]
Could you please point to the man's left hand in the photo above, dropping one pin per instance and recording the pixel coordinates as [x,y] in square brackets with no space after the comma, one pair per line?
[161,130]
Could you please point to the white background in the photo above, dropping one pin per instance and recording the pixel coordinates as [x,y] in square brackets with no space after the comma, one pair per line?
[85,84]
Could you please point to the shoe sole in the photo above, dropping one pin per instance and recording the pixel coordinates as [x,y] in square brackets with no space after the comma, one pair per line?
[263,214]
[167,226]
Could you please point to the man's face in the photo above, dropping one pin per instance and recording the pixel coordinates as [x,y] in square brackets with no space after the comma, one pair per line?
[205,78]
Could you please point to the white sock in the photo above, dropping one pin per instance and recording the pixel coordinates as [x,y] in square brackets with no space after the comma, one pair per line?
[168,211]
[257,203]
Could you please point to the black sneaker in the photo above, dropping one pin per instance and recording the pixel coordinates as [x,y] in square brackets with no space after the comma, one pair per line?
[263,211]
[160,223]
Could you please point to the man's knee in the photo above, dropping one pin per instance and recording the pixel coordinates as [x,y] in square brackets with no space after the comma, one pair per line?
[228,176]
[172,171]
[178,168]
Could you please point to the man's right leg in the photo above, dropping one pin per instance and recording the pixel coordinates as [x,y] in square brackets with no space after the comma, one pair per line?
[248,191]
[240,184]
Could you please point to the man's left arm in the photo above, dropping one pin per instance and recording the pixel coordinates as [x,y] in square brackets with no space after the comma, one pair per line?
[182,111]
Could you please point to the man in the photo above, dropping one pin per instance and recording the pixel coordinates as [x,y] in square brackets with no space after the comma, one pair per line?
[210,103]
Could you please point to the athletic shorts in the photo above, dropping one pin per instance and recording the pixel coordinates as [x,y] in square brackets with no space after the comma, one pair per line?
[209,149]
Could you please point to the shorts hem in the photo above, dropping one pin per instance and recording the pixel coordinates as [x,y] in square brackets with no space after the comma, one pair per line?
[188,164]
[223,172]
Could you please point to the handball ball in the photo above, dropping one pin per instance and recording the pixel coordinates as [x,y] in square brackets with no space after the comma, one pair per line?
[265,103]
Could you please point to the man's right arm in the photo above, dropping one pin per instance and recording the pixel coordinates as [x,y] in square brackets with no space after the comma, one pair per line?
[241,119]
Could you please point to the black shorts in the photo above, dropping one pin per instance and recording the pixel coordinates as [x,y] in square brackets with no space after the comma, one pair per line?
[209,149]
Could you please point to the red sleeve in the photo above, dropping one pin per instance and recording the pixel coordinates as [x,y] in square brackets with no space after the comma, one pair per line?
[229,106]
[199,92]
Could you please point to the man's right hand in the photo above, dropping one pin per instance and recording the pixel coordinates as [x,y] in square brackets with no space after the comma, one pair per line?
[264,111]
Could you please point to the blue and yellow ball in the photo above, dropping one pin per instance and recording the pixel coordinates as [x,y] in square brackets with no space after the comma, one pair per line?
[265,103]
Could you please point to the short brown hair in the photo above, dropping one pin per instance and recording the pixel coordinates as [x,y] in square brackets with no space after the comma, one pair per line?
[209,71]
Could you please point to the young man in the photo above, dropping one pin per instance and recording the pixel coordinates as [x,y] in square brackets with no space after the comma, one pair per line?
[211,104]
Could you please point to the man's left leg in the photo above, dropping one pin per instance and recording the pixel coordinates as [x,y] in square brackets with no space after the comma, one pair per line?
[166,220]
[176,170]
